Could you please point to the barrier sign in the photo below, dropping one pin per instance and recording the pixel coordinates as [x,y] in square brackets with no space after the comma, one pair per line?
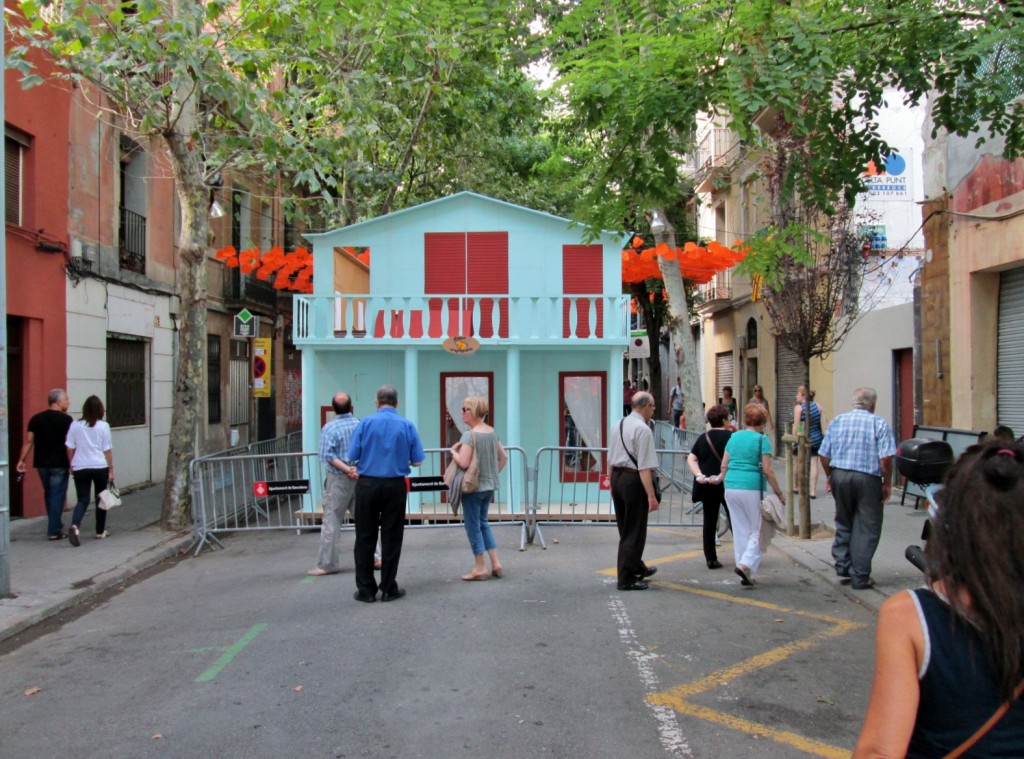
[423,484]
[605,483]
[280,487]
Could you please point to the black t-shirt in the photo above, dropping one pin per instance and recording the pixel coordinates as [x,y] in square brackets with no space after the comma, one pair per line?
[707,461]
[49,433]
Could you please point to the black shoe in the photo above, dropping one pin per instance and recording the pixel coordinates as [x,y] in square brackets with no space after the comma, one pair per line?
[73,536]
[648,572]
[364,598]
[399,593]
[866,585]
[843,575]
[745,578]
[638,585]
[714,565]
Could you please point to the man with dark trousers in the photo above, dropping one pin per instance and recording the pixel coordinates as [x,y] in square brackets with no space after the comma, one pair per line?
[47,433]
[632,458]
[386,445]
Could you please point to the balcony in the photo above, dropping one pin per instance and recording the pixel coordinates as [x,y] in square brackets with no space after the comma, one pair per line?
[245,290]
[131,242]
[355,320]
[715,295]
[714,156]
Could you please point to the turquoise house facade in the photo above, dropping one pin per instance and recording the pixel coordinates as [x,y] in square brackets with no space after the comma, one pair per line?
[462,296]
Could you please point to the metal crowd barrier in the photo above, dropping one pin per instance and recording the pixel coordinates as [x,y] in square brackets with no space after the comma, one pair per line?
[267,486]
[568,492]
[238,492]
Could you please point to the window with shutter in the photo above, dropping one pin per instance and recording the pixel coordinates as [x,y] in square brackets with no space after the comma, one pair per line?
[460,263]
[12,176]
[582,274]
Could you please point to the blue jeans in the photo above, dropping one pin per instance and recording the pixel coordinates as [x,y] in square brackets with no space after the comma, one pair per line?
[55,493]
[85,481]
[474,515]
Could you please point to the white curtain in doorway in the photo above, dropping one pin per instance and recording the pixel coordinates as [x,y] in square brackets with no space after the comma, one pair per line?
[457,390]
[583,397]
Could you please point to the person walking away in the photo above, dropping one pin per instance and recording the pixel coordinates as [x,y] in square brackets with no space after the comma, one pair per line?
[339,485]
[47,432]
[386,445]
[746,465]
[705,462]
[815,429]
[89,449]
[632,458]
[949,661]
[676,396]
[492,458]
[759,399]
[856,457]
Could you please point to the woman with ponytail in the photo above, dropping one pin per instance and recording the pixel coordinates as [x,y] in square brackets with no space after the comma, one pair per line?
[949,667]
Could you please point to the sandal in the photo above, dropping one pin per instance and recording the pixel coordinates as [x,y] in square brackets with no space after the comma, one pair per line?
[59,536]
[104,534]
[73,536]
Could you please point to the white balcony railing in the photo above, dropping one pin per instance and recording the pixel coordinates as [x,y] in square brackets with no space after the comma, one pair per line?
[540,319]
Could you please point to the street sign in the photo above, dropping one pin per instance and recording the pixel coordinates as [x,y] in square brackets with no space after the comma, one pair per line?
[261,348]
[280,487]
[246,324]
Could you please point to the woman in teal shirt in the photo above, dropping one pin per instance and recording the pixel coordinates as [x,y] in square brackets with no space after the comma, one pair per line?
[748,458]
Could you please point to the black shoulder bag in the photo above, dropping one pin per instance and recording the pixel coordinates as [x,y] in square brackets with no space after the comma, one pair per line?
[654,472]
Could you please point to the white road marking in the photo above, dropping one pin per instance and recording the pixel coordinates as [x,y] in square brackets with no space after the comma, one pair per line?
[668,728]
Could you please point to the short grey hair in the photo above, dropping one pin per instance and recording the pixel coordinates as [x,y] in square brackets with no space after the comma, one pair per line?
[387,395]
[54,395]
[864,397]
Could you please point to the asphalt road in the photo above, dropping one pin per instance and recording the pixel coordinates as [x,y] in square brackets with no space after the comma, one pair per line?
[237,653]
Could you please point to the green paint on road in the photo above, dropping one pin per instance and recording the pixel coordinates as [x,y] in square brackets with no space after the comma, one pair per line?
[308,580]
[231,653]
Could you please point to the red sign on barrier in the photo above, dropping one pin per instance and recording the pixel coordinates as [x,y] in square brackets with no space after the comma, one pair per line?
[605,483]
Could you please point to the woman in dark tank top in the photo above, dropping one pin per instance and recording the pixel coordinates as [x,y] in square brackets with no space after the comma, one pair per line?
[949,666]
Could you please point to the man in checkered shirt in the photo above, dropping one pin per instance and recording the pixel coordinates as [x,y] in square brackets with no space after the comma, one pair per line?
[856,457]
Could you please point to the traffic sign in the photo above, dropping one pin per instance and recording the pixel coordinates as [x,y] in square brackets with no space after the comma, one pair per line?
[246,324]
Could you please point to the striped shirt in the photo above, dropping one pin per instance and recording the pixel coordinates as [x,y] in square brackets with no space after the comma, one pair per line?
[858,440]
[334,440]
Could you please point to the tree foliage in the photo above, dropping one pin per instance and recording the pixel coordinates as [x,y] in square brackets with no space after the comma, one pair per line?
[351,103]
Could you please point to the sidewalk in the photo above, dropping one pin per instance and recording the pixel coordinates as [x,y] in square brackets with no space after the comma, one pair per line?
[48,577]
[901,527]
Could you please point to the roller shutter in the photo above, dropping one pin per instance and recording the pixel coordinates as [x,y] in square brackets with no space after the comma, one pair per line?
[1010,361]
[789,375]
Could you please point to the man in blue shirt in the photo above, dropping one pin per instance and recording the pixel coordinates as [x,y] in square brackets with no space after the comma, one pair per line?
[386,445]
[856,457]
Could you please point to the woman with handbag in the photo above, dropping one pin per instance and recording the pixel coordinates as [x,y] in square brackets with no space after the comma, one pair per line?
[705,461]
[949,661]
[746,465]
[479,450]
[92,465]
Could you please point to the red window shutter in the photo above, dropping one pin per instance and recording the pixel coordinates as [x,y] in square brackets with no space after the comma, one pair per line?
[487,273]
[582,273]
[444,273]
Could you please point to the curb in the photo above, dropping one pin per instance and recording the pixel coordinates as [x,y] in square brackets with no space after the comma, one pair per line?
[170,546]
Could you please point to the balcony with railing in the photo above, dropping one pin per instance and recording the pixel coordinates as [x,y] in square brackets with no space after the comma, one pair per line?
[716,294]
[717,151]
[131,242]
[355,320]
[246,290]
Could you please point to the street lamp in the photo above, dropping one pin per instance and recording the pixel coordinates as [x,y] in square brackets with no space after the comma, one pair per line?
[658,225]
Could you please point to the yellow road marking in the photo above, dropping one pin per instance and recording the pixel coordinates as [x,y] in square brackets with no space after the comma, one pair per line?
[675,698]
[785,737]
[663,560]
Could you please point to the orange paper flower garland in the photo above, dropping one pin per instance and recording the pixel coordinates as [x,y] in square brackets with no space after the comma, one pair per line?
[294,271]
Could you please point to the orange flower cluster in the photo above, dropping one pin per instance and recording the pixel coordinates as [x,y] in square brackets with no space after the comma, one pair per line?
[697,264]
[292,271]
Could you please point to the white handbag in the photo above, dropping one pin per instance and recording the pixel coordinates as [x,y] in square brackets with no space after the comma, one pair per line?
[110,498]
